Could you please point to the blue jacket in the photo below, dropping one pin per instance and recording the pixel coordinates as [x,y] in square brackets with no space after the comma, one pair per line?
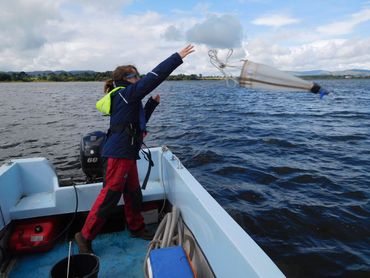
[127,110]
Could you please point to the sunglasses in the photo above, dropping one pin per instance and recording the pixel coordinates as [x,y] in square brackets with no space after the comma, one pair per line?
[132,75]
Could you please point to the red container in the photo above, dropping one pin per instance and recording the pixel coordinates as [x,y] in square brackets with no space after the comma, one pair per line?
[33,235]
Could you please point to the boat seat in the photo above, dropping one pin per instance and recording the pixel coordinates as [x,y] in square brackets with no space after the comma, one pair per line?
[35,204]
[31,189]
[28,187]
[154,191]
[47,203]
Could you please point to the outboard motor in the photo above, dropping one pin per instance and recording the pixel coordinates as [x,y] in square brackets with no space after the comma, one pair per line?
[90,154]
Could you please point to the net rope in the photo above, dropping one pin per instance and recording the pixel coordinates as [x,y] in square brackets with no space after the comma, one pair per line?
[222,65]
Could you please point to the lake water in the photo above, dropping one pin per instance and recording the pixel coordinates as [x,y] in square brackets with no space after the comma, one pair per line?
[291,169]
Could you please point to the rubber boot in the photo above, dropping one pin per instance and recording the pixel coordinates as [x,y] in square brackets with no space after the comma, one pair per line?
[84,245]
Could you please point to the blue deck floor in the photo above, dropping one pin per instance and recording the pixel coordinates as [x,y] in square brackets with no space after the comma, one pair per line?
[119,255]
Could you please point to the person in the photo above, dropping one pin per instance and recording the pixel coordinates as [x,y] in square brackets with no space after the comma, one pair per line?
[151,104]
[122,146]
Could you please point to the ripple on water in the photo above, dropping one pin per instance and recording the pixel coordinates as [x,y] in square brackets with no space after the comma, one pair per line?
[204,157]
[252,197]
[286,170]
[279,143]
[230,170]
[9,145]
[311,179]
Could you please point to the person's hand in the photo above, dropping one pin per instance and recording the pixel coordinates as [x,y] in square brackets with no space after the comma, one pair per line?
[157,98]
[186,51]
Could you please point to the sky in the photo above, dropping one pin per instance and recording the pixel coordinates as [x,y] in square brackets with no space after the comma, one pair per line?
[101,35]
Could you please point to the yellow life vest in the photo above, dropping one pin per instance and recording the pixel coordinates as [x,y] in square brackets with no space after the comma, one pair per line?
[104,104]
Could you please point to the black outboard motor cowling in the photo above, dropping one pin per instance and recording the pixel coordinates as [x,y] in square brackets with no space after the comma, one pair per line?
[90,154]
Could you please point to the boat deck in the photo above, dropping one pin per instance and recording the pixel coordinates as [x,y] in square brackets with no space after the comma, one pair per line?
[119,256]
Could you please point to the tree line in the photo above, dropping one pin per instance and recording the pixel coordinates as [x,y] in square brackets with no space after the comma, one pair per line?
[64,76]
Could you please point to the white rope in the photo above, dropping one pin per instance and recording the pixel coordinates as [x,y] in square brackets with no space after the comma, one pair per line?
[170,232]
[222,65]
[69,258]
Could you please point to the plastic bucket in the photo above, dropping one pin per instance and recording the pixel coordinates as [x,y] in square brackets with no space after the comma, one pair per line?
[81,265]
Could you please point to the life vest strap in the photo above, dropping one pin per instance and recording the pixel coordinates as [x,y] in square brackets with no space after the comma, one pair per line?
[118,128]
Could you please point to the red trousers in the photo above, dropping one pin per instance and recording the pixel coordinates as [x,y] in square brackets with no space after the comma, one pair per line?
[121,178]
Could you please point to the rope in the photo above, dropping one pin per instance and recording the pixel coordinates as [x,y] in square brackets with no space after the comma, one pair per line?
[170,232]
[222,65]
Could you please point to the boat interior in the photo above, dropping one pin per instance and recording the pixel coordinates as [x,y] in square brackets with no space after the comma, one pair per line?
[35,196]
[212,242]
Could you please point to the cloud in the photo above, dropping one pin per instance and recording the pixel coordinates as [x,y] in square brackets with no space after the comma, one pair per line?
[301,49]
[111,6]
[275,20]
[55,35]
[172,33]
[81,35]
[322,54]
[92,44]
[22,23]
[346,26]
[217,31]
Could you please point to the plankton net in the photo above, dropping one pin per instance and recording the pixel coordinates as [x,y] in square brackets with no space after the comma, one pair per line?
[260,76]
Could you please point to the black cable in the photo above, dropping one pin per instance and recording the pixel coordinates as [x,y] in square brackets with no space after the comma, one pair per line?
[2,216]
[148,157]
[73,218]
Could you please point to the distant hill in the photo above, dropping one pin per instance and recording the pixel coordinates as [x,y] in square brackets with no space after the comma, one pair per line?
[351,72]
[355,72]
[46,72]
[89,75]
[310,72]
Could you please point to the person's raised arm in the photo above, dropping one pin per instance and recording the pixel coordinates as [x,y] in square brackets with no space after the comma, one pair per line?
[155,77]
[186,51]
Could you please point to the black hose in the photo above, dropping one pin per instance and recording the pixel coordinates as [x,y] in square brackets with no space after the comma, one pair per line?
[148,157]
[73,217]
[2,216]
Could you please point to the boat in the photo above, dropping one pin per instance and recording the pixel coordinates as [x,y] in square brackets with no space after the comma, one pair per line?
[216,245]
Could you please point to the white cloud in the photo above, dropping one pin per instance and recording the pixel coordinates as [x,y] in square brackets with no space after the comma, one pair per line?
[173,33]
[22,23]
[92,44]
[217,31]
[345,26]
[333,54]
[275,20]
[73,35]
[52,35]
[301,49]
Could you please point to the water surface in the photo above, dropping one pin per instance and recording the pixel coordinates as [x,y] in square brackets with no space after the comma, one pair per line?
[291,169]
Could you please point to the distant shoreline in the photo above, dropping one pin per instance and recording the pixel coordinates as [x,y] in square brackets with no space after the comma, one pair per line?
[88,76]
